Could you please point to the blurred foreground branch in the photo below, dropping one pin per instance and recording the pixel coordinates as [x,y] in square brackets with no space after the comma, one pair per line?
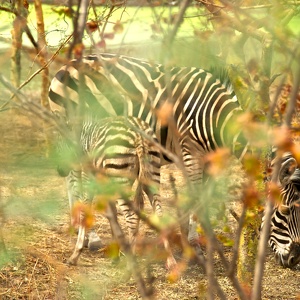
[259,267]
[36,109]
[9,86]
[111,214]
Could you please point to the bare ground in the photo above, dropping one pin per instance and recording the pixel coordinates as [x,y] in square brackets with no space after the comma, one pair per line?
[35,218]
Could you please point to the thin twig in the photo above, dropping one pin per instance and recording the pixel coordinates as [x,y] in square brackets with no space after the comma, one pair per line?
[146,293]
[262,245]
[36,109]
[292,104]
[210,268]
[235,249]
[2,221]
[234,214]
[264,237]
[198,255]
[215,243]
[184,4]
[79,24]
[33,270]
[37,72]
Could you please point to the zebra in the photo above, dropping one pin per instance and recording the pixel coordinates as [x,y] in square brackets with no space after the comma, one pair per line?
[121,85]
[204,105]
[113,148]
[284,237]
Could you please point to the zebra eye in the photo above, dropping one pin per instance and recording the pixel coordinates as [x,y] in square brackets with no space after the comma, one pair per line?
[296,203]
[284,209]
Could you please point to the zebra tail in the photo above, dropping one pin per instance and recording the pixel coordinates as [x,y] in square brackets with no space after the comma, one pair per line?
[144,174]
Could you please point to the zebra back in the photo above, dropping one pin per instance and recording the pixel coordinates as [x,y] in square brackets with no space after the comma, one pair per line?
[204,108]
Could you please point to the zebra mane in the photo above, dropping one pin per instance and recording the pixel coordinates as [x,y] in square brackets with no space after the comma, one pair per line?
[221,73]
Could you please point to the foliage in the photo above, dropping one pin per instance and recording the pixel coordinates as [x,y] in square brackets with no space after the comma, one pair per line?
[257,41]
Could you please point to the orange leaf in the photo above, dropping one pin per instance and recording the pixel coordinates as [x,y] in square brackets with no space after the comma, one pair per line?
[274,192]
[251,196]
[78,50]
[174,275]
[92,26]
[63,11]
[118,27]
[112,250]
[101,202]
[282,139]
[156,2]
[217,161]
[164,113]
[251,165]
[82,214]
[295,149]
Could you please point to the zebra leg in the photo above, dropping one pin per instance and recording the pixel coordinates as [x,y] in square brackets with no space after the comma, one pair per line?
[132,223]
[76,182]
[78,247]
[193,159]
[73,183]
[92,240]
[154,199]
[81,237]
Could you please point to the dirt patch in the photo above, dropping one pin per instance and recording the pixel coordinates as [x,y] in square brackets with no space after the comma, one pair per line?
[38,241]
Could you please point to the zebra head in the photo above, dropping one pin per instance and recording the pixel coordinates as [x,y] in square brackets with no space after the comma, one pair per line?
[285,222]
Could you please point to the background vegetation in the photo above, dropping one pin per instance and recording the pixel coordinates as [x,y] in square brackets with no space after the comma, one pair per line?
[257,41]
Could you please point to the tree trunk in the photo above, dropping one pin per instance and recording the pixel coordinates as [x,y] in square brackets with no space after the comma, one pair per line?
[17,31]
[42,55]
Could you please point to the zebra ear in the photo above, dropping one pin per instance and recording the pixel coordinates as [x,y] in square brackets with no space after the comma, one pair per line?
[287,169]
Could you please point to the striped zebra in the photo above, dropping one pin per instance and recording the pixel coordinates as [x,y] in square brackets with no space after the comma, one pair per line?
[284,237]
[112,147]
[204,105]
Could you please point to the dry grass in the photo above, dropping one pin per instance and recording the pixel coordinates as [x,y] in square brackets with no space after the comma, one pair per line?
[37,239]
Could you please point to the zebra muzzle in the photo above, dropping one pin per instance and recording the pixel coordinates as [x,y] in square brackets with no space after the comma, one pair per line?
[294,255]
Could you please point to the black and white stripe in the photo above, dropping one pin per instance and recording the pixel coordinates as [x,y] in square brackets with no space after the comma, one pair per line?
[285,221]
[204,105]
[114,148]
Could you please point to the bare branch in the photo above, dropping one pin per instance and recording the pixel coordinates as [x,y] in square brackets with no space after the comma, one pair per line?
[232,268]
[259,267]
[36,109]
[37,72]
[205,224]
[234,214]
[210,268]
[178,20]
[276,97]
[262,245]
[146,293]
[2,221]
[293,99]
[79,26]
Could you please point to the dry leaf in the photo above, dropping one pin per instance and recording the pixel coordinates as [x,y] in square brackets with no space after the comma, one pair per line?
[164,113]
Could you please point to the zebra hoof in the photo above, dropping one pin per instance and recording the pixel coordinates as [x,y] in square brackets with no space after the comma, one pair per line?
[71,262]
[94,242]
